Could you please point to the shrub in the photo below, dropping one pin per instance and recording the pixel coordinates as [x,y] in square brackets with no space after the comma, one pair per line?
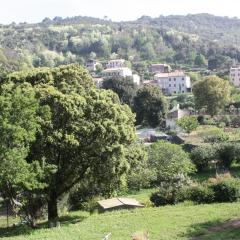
[201,156]
[227,153]
[188,123]
[227,120]
[163,197]
[201,194]
[170,195]
[171,163]
[235,122]
[210,121]
[219,137]
[226,190]
[200,119]
[221,125]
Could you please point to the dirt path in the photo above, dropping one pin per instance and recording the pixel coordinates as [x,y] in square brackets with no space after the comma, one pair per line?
[224,226]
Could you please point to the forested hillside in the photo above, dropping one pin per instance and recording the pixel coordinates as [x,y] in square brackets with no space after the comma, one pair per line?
[192,40]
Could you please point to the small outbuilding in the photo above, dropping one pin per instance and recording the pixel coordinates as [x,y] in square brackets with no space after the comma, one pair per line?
[118,203]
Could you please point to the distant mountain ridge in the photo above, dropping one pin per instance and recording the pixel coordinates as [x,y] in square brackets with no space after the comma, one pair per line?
[174,39]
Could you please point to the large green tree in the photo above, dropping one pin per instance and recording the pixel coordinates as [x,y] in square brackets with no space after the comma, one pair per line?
[124,87]
[211,93]
[20,179]
[83,131]
[150,106]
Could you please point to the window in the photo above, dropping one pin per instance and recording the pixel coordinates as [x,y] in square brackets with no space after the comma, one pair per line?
[183,78]
[169,79]
[174,85]
[182,91]
[183,84]
[175,79]
[169,85]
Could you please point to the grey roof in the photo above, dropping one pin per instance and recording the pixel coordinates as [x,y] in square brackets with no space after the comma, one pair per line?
[117,202]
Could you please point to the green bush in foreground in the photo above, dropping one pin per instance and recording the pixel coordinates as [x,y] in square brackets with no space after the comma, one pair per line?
[170,195]
[218,190]
[226,190]
[201,194]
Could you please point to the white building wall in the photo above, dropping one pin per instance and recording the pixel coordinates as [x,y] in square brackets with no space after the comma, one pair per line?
[136,79]
[174,84]
[235,76]
[117,72]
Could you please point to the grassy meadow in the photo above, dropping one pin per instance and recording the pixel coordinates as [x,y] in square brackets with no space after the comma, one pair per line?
[165,223]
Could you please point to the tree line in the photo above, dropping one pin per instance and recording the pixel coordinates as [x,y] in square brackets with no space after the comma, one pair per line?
[200,40]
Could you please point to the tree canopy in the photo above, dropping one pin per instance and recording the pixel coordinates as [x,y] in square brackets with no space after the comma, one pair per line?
[188,123]
[211,93]
[150,106]
[82,132]
[170,162]
[124,87]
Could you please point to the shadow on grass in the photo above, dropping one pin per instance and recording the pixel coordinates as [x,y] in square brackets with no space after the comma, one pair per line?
[14,231]
[211,173]
[215,230]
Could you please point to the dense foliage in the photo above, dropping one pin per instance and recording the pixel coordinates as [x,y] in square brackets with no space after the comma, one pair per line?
[194,40]
[124,87]
[84,133]
[212,94]
[171,163]
[150,106]
[188,123]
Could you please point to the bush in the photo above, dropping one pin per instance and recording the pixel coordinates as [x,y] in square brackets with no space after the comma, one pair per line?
[201,194]
[200,119]
[170,195]
[235,122]
[218,190]
[201,156]
[221,124]
[210,121]
[219,137]
[226,190]
[227,120]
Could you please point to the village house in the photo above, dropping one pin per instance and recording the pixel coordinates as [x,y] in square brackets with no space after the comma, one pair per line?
[117,72]
[174,82]
[92,64]
[116,63]
[120,72]
[174,115]
[235,76]
[159,68]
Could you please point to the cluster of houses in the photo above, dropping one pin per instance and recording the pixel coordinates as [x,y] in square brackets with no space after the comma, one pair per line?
[170,82]
[113,68]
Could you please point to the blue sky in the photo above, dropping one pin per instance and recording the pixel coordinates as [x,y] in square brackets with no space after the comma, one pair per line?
[36,10]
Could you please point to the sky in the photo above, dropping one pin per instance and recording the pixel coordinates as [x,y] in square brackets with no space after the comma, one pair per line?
[33,11]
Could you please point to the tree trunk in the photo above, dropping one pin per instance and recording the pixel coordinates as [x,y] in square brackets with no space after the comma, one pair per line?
[52,209]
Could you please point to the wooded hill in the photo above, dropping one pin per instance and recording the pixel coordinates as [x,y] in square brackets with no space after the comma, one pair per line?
[200,40]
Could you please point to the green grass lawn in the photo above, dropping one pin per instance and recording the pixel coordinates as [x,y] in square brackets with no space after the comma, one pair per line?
[170,222]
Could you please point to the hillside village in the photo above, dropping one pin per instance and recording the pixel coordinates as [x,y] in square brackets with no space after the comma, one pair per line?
[120,130]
